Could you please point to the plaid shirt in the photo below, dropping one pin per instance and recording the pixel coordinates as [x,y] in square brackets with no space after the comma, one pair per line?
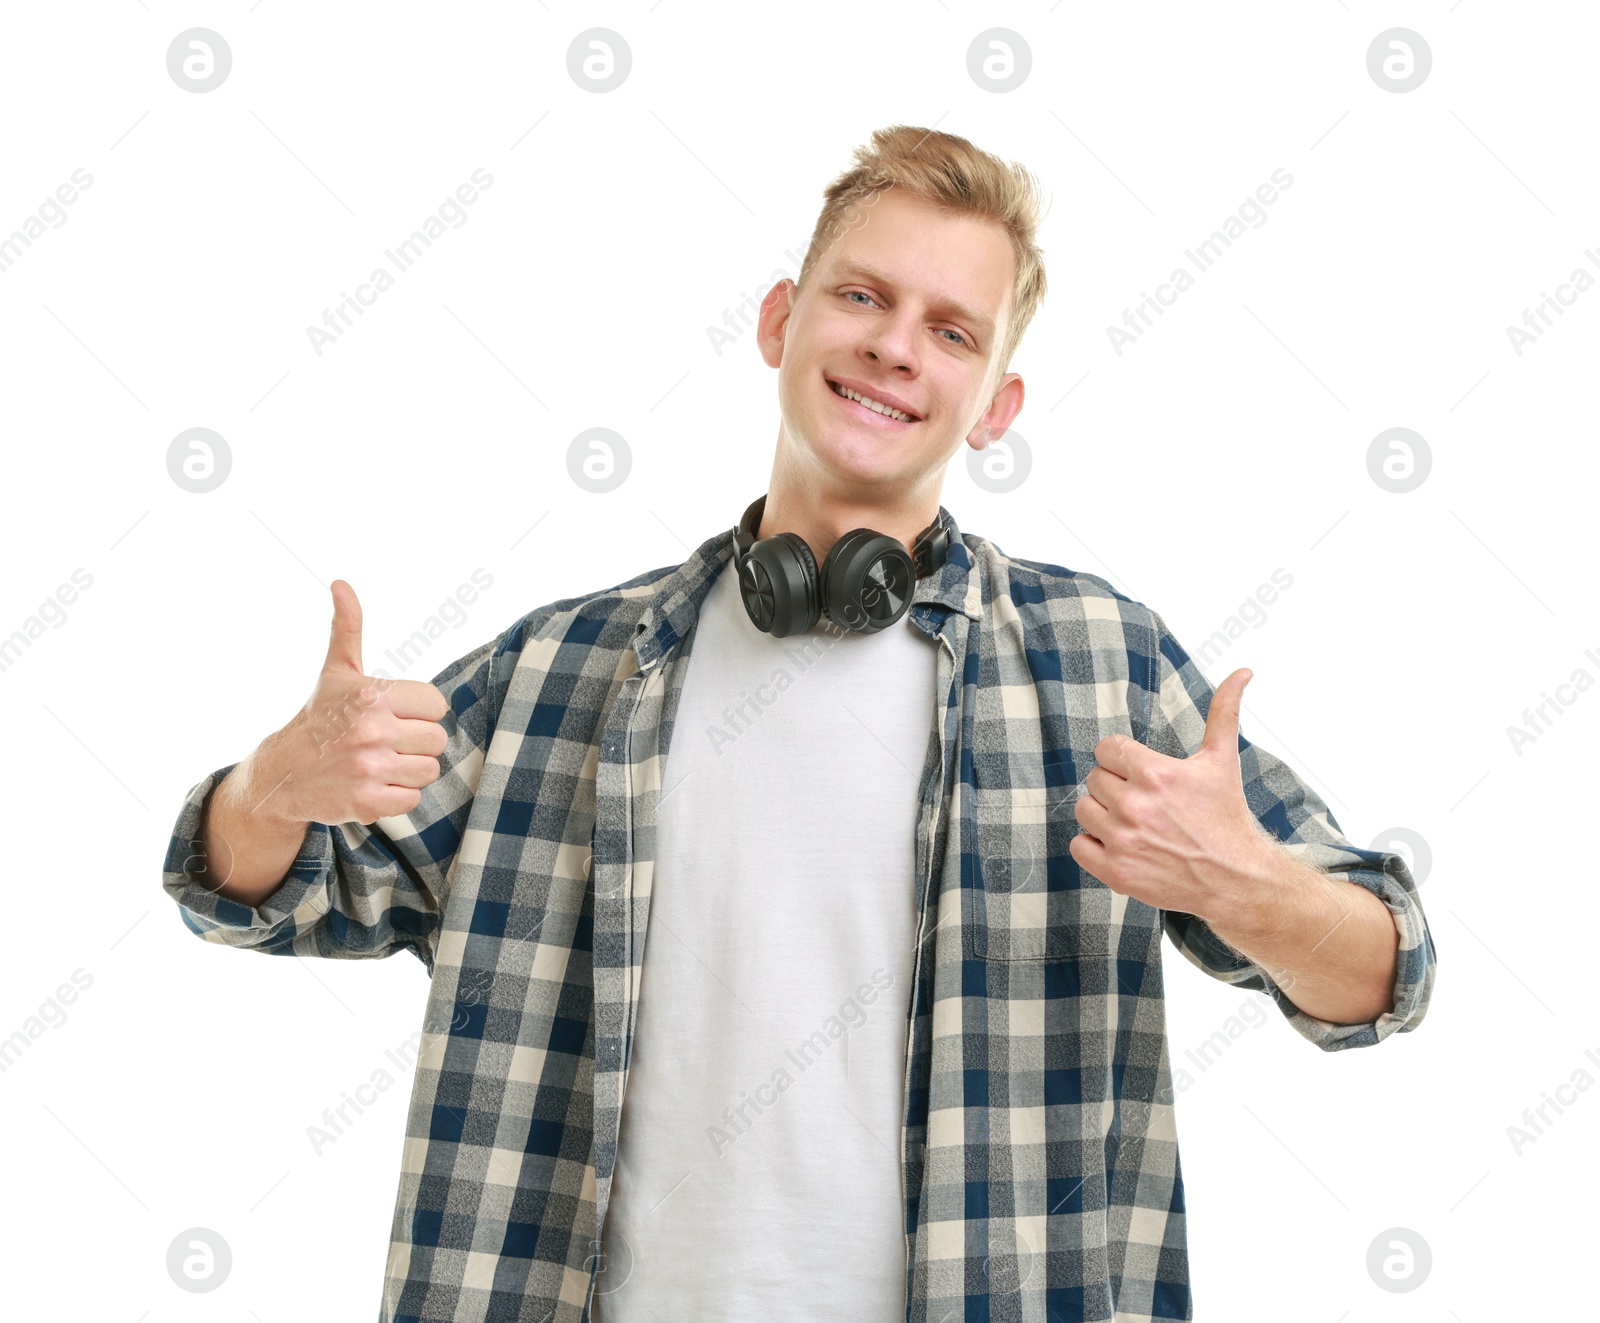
[1039,1148]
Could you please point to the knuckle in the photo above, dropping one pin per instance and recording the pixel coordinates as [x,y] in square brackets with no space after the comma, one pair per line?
[371,728]
[366,765]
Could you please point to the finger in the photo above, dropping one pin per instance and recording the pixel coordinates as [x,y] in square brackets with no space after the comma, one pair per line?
[393,802]
[1120,754]
[1222,717]
[425,737]
[344,638]
[1104,785]
[417,699]
[1089,854]
[413,770]
[1092,816]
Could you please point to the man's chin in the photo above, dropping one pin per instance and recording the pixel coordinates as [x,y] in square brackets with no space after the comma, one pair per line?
[862,460]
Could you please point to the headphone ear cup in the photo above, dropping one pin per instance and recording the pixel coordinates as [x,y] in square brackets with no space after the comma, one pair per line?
[779,587]
[867,581]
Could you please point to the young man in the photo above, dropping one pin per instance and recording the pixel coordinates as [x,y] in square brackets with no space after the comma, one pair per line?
[820,978]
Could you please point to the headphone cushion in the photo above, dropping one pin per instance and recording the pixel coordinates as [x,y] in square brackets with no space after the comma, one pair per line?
[802,550]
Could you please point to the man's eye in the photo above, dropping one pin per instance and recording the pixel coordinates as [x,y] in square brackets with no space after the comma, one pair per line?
[960,340]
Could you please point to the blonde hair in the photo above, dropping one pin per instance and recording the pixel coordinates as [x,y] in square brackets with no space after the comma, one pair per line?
[950,173]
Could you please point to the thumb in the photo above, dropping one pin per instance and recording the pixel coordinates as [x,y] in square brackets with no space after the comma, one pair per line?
[344,639]
[1222,719]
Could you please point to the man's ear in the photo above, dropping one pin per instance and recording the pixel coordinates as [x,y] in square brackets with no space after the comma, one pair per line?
[773,321]
[1003,408]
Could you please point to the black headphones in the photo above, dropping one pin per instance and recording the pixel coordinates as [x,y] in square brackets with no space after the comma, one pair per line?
[865,584]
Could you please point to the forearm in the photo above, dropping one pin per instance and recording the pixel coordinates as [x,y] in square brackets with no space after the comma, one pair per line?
[247,848]
[1330,945]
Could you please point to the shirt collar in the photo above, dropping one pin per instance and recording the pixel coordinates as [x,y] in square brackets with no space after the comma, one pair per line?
[675,601]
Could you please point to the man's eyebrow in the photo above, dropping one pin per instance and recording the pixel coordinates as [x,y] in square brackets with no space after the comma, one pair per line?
[855,267]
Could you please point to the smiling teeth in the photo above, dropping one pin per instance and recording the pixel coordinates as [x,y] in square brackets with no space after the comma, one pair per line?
[899,415]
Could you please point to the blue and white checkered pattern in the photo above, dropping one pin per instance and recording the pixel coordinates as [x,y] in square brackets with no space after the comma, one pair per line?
[1039,1147]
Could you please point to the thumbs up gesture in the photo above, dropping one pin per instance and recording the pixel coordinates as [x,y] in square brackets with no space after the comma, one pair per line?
[361,748]
[1175,833]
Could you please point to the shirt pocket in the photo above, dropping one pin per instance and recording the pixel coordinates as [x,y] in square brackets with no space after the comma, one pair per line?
[1027,899]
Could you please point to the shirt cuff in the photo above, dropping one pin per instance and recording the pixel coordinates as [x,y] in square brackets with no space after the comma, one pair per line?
[187,880]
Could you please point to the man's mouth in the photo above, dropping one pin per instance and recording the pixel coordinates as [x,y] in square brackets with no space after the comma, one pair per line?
[875,406]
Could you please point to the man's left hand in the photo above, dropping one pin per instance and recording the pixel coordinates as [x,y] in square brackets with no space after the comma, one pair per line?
[1175,833]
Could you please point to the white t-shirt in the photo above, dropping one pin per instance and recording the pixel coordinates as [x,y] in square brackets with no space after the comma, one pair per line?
[758,1163]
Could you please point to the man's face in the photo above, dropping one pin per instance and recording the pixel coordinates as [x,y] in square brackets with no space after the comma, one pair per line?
[909,307]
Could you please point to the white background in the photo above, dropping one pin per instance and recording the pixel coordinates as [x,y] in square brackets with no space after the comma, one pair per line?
[1231,440]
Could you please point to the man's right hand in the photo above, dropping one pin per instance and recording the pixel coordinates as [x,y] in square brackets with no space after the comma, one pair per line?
[361,748]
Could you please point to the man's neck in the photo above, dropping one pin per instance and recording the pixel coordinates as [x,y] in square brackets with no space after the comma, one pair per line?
[822,519]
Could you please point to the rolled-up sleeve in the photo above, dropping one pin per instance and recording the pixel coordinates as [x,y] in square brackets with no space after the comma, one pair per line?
[354,891]
[1294,814]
